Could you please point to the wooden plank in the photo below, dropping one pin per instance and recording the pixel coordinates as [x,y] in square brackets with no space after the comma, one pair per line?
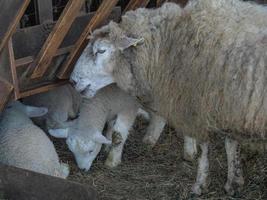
[13,69]
[42,89]
[101,14]
[45,11]
[5,92]
[29,59]
[11,13]
[160,2]
[55,38]
[134,4]
[29,41]
[20,184]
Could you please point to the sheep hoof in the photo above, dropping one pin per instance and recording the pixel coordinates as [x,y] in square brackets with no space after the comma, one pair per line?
[65,170]
[149,140]
[189,157]
[235,188]
[196,189]
[112,163]
[229,189]
[200,189]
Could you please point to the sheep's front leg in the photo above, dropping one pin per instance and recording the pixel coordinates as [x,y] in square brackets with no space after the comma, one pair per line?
[121,128]
[190,148]
[235,178]
[203,170]
[109,133]
[154,130]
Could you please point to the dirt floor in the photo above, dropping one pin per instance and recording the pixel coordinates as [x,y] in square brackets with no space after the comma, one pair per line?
[161,173]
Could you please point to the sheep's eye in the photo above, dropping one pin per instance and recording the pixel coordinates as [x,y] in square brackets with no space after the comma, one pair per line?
[90,152]
[101,51]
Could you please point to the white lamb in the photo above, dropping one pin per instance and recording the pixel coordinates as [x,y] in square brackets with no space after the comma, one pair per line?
[85,137]
[24,145]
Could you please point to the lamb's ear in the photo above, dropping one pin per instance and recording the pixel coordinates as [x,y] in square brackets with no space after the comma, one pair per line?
[126,42]
[59,133]
[32,111]
[99,138]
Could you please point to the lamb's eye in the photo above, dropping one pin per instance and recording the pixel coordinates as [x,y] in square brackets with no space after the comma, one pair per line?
[90,152]
[101,51]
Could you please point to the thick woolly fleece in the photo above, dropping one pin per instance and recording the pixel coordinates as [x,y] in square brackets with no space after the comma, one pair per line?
[203,68]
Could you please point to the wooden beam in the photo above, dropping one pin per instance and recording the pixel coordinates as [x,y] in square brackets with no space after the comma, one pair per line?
[16,183]
[29,59]
[29,41]
[42,89]
[134,4]
[13,69]
[55,38]
[45,10]
[160,2]
[101,14]
[6,89]
[10,15]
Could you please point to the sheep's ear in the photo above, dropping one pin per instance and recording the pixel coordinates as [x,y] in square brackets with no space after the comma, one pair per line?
[99,138]
[127,42]
[101,32]
[59,133]
[32,111]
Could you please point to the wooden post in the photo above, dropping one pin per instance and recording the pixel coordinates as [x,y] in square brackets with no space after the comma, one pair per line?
[55,38]
[16,183]
[10,15]
[134,4]
[42,89]
[101,14]
[13,69]
[5,92]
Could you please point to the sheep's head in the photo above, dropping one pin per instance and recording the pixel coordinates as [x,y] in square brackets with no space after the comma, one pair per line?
[84,144]
[98,65]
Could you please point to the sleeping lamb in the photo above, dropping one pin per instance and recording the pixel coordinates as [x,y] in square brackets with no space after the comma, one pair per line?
[202,68]
[24,145]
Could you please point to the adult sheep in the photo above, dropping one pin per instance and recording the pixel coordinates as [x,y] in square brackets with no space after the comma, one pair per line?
[24,145]
[202,68]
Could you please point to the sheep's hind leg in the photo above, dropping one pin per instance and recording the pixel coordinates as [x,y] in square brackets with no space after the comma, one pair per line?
[190,148]
[235,179]
[121,128]
[154,130]
[201,183]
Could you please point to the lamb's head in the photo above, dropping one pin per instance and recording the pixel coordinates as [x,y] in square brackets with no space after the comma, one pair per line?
[99,63]
[84,144]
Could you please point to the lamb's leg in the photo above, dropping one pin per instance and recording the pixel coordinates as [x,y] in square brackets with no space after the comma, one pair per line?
[190,148]
[203,170]
[121,128]
[154,130]
[109,133]
[235,178]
